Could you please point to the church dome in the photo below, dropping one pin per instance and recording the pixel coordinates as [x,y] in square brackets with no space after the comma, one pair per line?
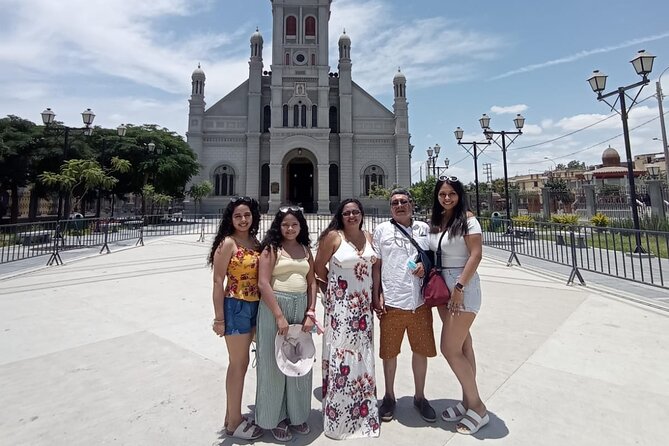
[344,39]
[610,157]
[198,72]
[399,77]
[256,37]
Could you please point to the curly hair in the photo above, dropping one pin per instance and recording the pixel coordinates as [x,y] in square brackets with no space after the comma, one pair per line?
[273,238]
[337,221]
[457,224]
[226,228]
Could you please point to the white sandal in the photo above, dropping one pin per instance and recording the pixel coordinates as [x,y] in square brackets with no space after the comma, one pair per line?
[454,413]
[472,422]
[247,430]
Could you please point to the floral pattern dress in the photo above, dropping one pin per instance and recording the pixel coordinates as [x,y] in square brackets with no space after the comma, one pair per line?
[349,383]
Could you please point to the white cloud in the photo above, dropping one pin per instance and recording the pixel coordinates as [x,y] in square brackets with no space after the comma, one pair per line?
[430,51]
[510,109]
[581,55]
[532,129]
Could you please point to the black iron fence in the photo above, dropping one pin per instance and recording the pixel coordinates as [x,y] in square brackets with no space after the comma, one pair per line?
[609,251]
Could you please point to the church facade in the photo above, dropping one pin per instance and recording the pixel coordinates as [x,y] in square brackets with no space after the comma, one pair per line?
[298,133]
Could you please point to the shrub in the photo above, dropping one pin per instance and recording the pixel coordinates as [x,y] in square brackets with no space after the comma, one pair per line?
[565,219]
[600,220]
[523,220]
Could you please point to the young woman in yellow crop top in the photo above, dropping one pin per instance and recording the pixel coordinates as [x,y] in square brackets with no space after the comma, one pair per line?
[234,256]
[288,287]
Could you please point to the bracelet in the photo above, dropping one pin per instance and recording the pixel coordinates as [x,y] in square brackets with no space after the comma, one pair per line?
[219,321]
[310,312]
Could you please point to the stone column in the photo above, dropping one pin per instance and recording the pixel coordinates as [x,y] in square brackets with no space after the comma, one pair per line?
[590,199]
[323,188]
[514,198]
[546,202]
[275,188]
[656,203]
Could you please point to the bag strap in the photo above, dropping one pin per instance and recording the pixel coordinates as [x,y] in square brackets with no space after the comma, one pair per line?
[406,234]
[437,254]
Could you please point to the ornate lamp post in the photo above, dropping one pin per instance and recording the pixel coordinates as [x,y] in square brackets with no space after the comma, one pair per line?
[472,148]
[120,132]
[643,65]
[432,155]
[511,136]
[48,117]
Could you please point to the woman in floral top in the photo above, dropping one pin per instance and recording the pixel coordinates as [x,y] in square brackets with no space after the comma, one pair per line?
[234,256]
[344,269]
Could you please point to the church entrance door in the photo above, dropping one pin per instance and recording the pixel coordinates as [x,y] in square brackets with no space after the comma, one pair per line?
[301,183]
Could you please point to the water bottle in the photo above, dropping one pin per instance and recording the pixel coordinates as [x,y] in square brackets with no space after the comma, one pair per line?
[411,265]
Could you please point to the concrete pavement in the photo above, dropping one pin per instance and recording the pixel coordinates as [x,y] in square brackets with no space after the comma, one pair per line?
[118,349]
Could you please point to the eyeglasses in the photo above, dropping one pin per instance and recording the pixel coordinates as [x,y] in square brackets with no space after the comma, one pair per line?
[242,199]
[398,203]
[354,212]
[285,209]
[448,178]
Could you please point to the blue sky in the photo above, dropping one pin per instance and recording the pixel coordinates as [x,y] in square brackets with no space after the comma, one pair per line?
[131,62]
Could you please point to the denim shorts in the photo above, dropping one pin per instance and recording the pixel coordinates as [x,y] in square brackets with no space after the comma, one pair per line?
[240,316]
[472,293]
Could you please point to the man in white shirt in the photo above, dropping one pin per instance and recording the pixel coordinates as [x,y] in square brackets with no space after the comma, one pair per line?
[399,304]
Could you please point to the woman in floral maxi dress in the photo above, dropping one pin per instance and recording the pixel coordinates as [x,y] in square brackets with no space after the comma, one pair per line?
[349,384]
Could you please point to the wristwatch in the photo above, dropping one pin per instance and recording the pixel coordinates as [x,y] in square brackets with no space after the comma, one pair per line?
[460,286]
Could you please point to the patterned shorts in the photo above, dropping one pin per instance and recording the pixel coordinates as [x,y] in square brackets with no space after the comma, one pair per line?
[417,324]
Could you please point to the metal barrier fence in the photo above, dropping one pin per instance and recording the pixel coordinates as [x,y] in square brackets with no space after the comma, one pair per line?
[608,251]
[22,241]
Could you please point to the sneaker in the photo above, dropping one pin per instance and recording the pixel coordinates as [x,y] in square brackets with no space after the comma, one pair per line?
[387,409]
[426,411]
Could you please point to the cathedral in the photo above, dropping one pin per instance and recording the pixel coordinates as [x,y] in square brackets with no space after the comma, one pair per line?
[297,132]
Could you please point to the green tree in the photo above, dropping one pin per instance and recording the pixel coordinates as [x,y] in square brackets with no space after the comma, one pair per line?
[199,191]
[423,191]
[17,146]
[376,191]
[78,176]
[576,164]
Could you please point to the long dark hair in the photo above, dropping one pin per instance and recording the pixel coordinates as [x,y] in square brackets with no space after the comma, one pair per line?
[225,228]
[273,238]
[457,224]
[337,221]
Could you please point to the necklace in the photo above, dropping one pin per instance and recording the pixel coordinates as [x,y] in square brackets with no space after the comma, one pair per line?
[355,248]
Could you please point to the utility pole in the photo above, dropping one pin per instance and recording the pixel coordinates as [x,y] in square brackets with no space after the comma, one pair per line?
[487,169]
[665,145]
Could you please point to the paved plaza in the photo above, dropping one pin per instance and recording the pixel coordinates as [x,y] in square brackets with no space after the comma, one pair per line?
[118,349]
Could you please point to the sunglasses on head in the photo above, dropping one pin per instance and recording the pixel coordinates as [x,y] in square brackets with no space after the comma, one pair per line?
[354,212]
[242,199]
[400,202]
[449,179]
[285,209]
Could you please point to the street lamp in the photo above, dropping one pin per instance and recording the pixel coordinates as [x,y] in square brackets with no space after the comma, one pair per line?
[653,170]
[48,117]
[643,65]
[432,155]
[665,143]
[473,145]
[518,122]
[120,132]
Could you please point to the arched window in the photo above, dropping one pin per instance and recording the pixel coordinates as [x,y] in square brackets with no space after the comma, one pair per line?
[296,115]
[264,180]
[285,115]
[313,59]
[266,118]
[224,180]
[291,26]
[373,175]
[303,117]
[310,26]
[333,120]
[334,180]
[287,59]
[314,116]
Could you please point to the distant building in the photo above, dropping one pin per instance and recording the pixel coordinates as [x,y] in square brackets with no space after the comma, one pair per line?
[296,132]
[612,171]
